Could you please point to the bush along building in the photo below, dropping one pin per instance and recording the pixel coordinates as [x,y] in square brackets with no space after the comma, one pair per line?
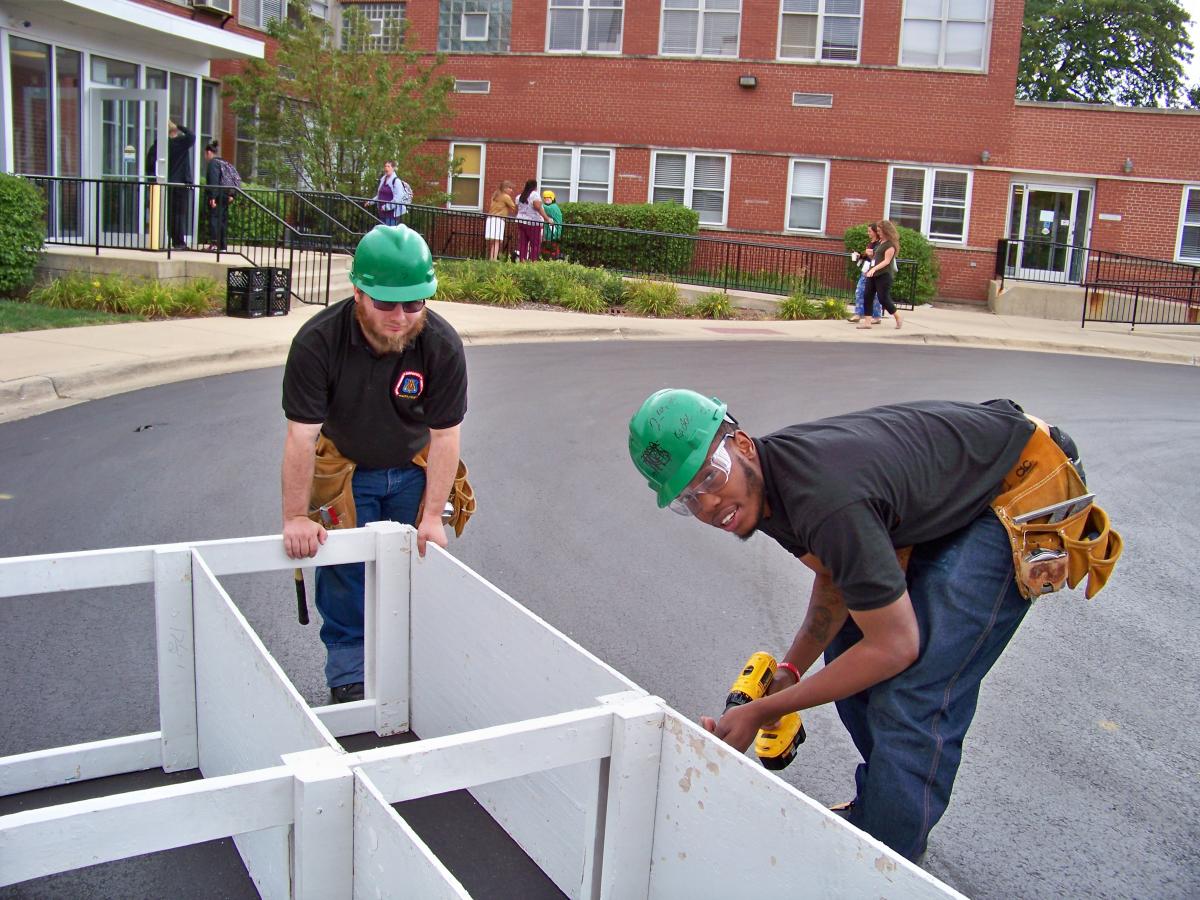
[780,121]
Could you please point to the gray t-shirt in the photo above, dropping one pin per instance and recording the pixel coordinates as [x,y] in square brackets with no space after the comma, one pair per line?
[850,489]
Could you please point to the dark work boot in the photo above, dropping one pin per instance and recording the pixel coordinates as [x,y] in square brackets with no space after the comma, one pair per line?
[347,693]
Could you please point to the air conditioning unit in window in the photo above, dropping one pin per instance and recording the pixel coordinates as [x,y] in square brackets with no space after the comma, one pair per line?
[224,7]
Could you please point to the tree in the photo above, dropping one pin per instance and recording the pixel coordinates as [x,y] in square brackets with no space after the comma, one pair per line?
[1130,52]
[327,115]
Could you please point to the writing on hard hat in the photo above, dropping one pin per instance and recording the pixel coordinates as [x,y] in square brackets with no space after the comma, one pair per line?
[669,438]
[548,196]
[392,264]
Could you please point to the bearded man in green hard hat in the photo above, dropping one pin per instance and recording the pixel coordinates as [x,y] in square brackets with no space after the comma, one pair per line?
[370,383]
[914,595]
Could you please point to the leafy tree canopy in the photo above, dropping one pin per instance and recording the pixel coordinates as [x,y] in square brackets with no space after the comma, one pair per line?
[1130,52]
[327,114]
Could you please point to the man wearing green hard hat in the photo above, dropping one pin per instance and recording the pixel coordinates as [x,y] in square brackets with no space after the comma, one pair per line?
[371,384]
[900,511]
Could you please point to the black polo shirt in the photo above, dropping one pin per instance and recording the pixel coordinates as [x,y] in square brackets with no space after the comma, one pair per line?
[852,488]
[377,409]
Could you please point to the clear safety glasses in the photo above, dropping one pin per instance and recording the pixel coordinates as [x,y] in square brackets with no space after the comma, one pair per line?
[709,479]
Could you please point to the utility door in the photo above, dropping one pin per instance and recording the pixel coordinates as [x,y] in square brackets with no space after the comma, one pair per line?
[128,163]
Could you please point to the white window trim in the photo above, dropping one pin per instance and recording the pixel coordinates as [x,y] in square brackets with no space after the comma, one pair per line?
[820,32]
[927,199]
[583,37]
[487,27]
[576,153]
[689,176]
[988,21]
[454,145]
[824,196]
[1178,255]
[699,34]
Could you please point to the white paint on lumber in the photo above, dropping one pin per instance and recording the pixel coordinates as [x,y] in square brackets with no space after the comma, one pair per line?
[387,605]
[176,659]
[72,835]
[79,762]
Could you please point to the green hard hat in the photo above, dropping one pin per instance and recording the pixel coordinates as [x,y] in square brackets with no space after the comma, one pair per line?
[392,263]
[669,437]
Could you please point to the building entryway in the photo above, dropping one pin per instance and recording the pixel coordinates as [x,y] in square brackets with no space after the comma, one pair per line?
[1048,232]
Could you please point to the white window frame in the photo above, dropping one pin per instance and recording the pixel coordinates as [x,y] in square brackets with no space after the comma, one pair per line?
[454,145]
[586,9]
[931,173]
[787,213]
[1183,204]
[577,152]
[487,26]
[689,176]
[701,10]
[250,13]
[944,21]
[821,14]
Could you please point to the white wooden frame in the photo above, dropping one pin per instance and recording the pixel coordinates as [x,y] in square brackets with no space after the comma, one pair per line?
[609,790]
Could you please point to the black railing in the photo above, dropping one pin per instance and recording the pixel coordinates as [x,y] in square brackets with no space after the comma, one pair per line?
[145,215]
[1117,287]
[688,259]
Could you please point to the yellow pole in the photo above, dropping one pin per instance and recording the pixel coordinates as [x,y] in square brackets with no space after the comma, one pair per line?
[155,216]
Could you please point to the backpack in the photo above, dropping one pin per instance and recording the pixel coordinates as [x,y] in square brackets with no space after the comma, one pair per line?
[404,196]
[228,176]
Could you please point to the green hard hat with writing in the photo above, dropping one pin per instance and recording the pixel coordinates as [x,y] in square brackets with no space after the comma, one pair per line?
[393,264]
[669,438]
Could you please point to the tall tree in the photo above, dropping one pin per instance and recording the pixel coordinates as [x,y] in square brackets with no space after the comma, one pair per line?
[1130,52]
[327,111]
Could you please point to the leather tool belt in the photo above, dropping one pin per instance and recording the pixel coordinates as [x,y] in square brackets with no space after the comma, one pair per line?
[1068,537]
[331,501]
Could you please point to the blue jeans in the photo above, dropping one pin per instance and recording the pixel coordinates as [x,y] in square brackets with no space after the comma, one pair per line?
[910,728]
[379,495]
[860,291]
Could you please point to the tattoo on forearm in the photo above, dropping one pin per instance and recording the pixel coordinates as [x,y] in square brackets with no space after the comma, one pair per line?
[819,624]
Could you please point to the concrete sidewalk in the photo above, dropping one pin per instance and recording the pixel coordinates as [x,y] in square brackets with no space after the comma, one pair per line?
[44,370]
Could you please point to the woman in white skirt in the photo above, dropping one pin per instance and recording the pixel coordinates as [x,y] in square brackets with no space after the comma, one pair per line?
[502,205]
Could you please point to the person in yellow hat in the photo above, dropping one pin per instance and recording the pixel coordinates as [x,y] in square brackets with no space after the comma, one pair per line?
[552,231]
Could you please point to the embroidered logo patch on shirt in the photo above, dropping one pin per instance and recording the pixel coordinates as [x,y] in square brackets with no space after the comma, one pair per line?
[409,385]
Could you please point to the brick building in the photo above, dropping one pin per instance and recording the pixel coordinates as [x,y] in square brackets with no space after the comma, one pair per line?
[777,120]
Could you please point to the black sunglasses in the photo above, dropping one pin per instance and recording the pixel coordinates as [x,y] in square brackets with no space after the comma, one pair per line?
[409,306]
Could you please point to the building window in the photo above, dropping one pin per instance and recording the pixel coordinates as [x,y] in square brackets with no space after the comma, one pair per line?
[474,26]
[808,185]
[945,34]
[260,13]
[1189,225]
[384,25]
[466,187]
[931,201]
[577,174]
[699,181]
[700,27]
[826,30]
[585,26]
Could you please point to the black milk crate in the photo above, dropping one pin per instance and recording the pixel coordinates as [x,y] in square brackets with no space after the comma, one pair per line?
[253,291]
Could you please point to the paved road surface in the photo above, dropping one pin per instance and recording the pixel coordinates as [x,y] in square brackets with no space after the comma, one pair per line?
[1080,776]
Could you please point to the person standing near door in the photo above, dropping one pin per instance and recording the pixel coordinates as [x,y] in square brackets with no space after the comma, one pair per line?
[180,141]
[218,195]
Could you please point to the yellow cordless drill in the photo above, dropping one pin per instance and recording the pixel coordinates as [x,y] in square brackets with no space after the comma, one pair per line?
[775,745]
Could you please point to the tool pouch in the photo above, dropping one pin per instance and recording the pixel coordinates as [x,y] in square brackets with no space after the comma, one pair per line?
[331,501]
[462,495]
[1048,556]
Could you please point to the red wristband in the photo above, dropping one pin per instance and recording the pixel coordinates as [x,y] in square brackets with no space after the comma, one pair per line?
[790,668]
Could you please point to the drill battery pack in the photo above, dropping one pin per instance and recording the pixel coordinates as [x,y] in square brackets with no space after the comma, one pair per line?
[776,743]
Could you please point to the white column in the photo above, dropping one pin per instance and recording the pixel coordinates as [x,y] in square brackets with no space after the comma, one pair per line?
[387,633]
[176,658]
[323,835]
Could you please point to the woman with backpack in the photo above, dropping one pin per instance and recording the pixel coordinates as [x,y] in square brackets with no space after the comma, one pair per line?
[222,179]
[392,195]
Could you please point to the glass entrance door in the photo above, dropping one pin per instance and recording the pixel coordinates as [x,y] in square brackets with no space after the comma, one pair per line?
[1049,225]
[129,141]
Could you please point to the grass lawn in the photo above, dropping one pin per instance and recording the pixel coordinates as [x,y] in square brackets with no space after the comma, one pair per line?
[17,316]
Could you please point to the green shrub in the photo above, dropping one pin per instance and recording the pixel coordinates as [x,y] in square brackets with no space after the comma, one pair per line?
[914,246]
[253,221]
[198,297]
[833,308]
[713,305]
[798,306]
[581,298]
[500,289]
[657,299]
[659,252]
[540,282]
[118,294]
[22,230]
[448,288]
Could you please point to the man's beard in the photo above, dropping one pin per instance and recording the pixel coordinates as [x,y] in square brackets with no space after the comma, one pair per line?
[388,341]
[754,487]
